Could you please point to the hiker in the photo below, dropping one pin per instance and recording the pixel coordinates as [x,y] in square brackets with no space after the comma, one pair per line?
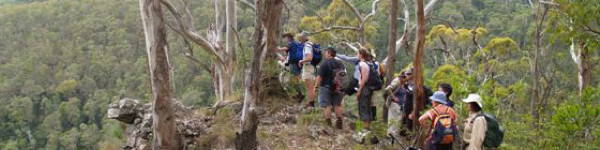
[395,111]
[443,127]
[352,85]
[294,51]
[308,69]
[407,104]
[481,129]
[329,80]
[364,93]
[474,132]
[447,89]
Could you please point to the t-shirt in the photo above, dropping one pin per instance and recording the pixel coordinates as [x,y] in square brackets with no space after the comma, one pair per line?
[307,50]
[326,71]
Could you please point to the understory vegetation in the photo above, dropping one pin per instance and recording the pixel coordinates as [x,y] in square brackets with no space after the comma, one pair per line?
[62,62]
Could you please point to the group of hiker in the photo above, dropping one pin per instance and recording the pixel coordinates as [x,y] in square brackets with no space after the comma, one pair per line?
[324,72]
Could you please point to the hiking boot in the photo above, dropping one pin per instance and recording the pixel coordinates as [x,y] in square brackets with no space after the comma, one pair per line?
[339,123]
[392,139]
[299,97]
[310,104]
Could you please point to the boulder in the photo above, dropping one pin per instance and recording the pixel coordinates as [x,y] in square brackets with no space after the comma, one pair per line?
[138,117]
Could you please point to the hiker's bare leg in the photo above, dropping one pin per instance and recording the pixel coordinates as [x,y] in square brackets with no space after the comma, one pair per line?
[310,89]
[339,111]
[327,112]
[366,124]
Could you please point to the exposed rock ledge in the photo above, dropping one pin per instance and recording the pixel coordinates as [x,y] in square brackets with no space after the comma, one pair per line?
[138,118]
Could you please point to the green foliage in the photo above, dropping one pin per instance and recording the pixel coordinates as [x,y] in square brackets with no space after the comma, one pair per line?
[500,45]
[63,62]
[575,124]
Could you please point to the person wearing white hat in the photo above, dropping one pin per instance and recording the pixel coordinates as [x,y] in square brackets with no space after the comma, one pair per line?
[475,127]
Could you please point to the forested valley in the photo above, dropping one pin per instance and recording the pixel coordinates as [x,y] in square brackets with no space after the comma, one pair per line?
[204,74]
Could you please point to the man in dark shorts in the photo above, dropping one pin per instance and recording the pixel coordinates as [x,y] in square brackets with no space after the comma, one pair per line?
[329,87]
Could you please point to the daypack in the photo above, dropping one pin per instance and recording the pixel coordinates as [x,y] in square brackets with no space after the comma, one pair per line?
[444,129]
[295,52]
[316,53]
[374,82]
[339,76]
[494,134]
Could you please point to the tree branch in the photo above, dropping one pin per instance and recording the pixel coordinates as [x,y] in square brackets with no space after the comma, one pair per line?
[187,32]
[355,49]
[405,32]
[354,9]
[588,28]
[249,4]
[373,10]
[334,28]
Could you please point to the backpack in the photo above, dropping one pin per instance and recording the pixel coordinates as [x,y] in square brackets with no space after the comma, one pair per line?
[494,134]
[374,82]
[339,76]
[444,129]
[317,56]
[295,52]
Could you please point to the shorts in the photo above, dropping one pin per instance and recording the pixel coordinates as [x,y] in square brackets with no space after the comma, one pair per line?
[308,72]
[295,69]
[365,111]
[327,97]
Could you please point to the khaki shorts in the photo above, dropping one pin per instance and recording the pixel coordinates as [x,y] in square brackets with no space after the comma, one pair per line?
[308,72]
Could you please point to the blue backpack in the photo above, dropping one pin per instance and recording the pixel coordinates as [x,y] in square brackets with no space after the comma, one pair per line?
[295,52]
[317,56]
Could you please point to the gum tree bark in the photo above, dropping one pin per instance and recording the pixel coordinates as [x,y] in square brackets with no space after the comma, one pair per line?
[417,62]
[164,130]
[267,21]
[223,64]
[391,53]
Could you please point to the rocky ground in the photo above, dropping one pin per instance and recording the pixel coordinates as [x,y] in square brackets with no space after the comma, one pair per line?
[284,125]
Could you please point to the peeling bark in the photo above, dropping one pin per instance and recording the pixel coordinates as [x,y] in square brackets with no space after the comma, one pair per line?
[268,18]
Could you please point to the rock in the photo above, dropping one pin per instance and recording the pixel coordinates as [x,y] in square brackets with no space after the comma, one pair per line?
[125,110]
[138,117]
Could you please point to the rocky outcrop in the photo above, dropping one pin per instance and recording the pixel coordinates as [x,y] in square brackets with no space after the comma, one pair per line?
[138,117]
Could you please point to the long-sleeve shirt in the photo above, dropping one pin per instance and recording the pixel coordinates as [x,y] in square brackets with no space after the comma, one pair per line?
[475,131]
[393,84]
[352,60]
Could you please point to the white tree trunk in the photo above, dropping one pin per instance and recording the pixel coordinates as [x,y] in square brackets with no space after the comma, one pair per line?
[164,130]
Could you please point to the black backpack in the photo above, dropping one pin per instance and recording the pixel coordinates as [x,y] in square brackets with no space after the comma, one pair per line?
[374,82]
[316,53]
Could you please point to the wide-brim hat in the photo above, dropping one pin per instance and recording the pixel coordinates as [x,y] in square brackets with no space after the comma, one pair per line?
[474,98]
[439,97]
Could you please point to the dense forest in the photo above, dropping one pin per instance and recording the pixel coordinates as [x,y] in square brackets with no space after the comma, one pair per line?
[62,62]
